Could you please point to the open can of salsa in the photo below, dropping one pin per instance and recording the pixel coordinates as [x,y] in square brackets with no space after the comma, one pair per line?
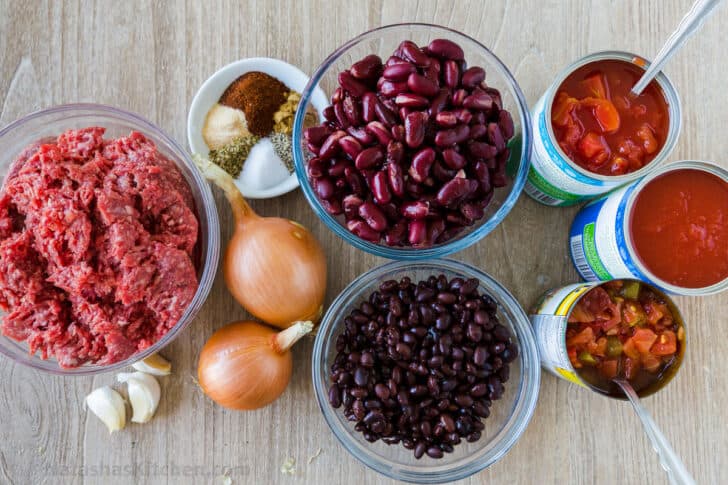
[591,135]
[591,333]
[668,229]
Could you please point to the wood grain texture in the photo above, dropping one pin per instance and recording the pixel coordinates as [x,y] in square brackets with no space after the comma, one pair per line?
[150,57]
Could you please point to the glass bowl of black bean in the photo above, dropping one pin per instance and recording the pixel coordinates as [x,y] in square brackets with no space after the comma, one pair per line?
[426,372]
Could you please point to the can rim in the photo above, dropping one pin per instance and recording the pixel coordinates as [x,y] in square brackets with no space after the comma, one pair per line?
[676,314]
[705,166]
[674,109]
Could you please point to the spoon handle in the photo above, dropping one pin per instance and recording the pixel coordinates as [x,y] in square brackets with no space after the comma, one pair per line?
[691,22]
[670,461]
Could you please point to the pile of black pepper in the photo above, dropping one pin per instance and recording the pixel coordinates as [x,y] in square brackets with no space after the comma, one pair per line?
[421,364]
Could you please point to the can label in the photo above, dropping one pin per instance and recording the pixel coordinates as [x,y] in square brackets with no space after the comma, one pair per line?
[549,321]
[597,241]
[551,180]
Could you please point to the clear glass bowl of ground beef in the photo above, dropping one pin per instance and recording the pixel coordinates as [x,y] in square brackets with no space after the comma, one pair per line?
[426,193]
[513,393]
[109,239]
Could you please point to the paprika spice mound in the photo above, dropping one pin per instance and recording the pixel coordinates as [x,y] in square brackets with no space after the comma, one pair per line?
[259,95]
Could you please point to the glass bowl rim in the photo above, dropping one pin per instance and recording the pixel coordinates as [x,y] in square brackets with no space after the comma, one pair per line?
[524,403]
[459,243]
[209,259]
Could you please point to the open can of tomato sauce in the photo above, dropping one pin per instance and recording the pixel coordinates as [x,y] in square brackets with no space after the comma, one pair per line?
[591,135]
[670,229]
[591,333]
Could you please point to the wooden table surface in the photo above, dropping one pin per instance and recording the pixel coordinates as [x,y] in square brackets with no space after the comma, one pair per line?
[150,58]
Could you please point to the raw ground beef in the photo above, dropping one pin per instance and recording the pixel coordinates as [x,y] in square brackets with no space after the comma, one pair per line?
[96,246]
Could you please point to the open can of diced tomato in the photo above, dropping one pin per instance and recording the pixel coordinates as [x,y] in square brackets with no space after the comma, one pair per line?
[591,333]
[668,229]
[591,135]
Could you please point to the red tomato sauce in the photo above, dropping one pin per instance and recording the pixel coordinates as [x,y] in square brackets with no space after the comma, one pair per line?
[601,126]
[679,228]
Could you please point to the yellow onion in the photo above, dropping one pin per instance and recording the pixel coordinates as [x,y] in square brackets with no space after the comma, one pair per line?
[246,365]
[275,268]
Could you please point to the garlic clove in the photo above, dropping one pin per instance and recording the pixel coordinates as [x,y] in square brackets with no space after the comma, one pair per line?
[155,365]
[108,406]
[144,394]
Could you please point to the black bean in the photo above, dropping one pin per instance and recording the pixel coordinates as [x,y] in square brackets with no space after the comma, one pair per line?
[501,333]
[361,376]
[335,396]
[479,390]
[420,449]
[367,359]
[434,452]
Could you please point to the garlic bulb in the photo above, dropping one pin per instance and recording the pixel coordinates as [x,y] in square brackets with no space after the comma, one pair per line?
[144,393]
[155,365]
[108,406]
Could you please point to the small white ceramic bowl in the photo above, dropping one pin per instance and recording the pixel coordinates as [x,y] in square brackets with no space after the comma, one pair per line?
[210,92]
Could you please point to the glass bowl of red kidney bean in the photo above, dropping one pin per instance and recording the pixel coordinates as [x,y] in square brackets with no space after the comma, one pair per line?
[424,148]
[426,371]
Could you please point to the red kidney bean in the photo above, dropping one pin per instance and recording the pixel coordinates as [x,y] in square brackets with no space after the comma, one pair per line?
[403,112]
[336,170]
[410,100]
[413,53]
[454,191]
[446,119]
[463,115]
[471,211]
[324,187]
[380,188]
[369,157]
[329,114]
[499,177]
[355,181]
[350,84]
[495,137]
[478,100]
[480,149]
[316,167]
[473,76]
[338,96]
[384,114]
[483,175]
[415,210]
[379,131]
[351,204]
[360,134]
[330,147]
[453,159]
[398,133]
[315,149]
[479,118]
[446,138]
[441,173]
[456,219]
[399,71]
[434,230]
[390,210]
[368,103]
[446,49]
[350,146]
[317,134]
[477,131]
[417,232]
[373,216]
[432,72]
[439,102]
[395,235]
[395,152]
[392,89]
[352,110]
[421,163]
[332,206]
[368,68]
[341,118]
[451,74]
[363,230]
[396,178]
[414,129]
[495,96]
[458,97]
[505,123]
[394,59]
[419,84]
